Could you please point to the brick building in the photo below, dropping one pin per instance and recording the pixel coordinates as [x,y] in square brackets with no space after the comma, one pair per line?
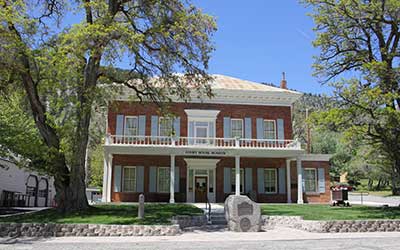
[239,141]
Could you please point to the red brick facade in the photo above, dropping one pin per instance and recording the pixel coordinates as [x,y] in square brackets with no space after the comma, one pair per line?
[229,110]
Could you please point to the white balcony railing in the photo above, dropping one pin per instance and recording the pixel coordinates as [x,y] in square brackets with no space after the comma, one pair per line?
[201,142]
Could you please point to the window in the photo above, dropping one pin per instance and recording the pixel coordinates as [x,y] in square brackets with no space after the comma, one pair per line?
[131,125]
[163,180]
[237,128]
[201,131]
[129,179]
[233,180]
[310,179]
[270,180]
[165,126]
[269,130]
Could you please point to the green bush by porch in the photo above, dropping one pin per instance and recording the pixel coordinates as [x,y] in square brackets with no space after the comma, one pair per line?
[155,214]
[326,212]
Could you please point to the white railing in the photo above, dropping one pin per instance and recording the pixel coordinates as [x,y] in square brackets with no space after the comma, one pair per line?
[201,142]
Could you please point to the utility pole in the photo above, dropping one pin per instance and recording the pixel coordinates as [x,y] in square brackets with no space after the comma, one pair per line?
[308,134]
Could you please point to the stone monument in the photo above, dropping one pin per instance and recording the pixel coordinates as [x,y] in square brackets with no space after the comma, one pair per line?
[242,214]
[141,206]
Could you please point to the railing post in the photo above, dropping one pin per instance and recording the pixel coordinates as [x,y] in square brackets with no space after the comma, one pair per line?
[237,142]
[173,141]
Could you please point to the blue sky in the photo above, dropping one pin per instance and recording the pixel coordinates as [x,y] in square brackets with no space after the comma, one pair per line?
[259,39]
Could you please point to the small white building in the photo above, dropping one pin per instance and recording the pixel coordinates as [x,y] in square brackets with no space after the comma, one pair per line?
[21,187]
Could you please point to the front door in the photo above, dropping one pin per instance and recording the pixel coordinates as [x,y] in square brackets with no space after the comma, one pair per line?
[200,189]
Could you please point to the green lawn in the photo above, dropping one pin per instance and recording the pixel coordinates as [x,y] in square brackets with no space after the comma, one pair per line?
[326,212]
[110,214]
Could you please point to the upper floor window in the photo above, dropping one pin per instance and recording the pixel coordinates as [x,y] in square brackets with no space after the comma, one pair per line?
[269,130]
[131,125]
[237,128]
[310,180]
[270,180]
[165,126]
[129,179]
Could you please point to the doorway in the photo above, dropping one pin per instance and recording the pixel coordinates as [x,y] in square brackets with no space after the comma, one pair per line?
[200,189]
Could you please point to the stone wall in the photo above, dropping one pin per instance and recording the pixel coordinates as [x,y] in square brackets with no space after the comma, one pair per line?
[60,230]
[337,226]
[185,221]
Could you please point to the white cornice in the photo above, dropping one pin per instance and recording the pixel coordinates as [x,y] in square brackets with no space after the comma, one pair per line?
[201,113]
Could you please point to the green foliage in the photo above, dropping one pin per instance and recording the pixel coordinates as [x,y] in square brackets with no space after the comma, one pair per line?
[96,167]
[360,40]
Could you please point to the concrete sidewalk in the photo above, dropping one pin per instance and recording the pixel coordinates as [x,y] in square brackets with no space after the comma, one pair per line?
[277,234]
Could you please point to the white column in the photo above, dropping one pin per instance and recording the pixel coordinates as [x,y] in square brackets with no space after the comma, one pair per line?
[172,180]
[105,178]
[237,174]
[288,183]
[109,166]
[299,181]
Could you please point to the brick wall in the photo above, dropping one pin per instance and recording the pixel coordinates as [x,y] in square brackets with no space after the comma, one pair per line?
[230,110]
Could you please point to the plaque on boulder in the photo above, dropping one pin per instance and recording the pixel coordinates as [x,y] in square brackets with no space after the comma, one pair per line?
[242,214]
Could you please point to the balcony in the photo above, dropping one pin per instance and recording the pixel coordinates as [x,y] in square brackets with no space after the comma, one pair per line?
[196,142]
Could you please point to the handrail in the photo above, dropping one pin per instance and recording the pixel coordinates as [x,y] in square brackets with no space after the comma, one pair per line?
[209,211]
[173,141]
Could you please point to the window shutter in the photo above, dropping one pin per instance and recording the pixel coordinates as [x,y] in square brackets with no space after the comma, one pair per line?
[154,126]
[321,180]
[139,179]
[260,128]
[117,178]
[247,128]
[248,175]
[282,180]
[227,180]
[177,189]
[142,125]
[260,180]
[281,129]
[211,129]
[119,130]
[177,127]
[191,132]
[153,179]
[227,127]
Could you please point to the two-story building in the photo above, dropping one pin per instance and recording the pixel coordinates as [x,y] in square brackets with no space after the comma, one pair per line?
[239,141]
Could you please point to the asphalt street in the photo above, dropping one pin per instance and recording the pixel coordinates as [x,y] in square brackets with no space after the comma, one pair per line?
[280,238]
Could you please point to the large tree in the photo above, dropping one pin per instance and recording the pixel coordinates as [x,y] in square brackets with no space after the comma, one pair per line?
[57,52]
[359,55]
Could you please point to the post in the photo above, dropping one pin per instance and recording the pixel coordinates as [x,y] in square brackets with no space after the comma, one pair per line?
[172,180]
[141,206]
[237,174]
[288,182]
[105,178]
[299,181]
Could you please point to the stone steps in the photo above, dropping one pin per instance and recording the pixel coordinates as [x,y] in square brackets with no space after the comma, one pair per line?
[218,219]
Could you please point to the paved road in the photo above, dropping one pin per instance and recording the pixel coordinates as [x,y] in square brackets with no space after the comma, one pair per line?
[280,238]
[373,200]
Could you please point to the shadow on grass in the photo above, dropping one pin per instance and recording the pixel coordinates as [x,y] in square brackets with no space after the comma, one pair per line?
[110,214]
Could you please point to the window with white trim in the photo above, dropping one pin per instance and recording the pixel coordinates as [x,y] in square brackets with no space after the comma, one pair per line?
[233,180]
[163,174]
[129,179]
[270,180]
[131,126]
[237,128]
[165,126]
[269,130]
[310,180]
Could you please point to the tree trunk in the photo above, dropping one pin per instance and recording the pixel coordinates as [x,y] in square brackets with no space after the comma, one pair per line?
[395,177]
[370,183]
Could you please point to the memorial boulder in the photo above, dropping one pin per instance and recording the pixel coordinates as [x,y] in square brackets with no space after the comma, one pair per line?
[242,214]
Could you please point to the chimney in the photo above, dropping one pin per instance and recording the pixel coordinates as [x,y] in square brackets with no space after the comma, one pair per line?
[283,82]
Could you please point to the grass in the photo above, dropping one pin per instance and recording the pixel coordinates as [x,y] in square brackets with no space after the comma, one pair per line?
[326,212]
[110,214]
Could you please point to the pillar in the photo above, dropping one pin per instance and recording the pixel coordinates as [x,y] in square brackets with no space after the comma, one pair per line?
[109,176]
[299,181]
[172,180]
[288,182]
[237,174]
[105,178]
